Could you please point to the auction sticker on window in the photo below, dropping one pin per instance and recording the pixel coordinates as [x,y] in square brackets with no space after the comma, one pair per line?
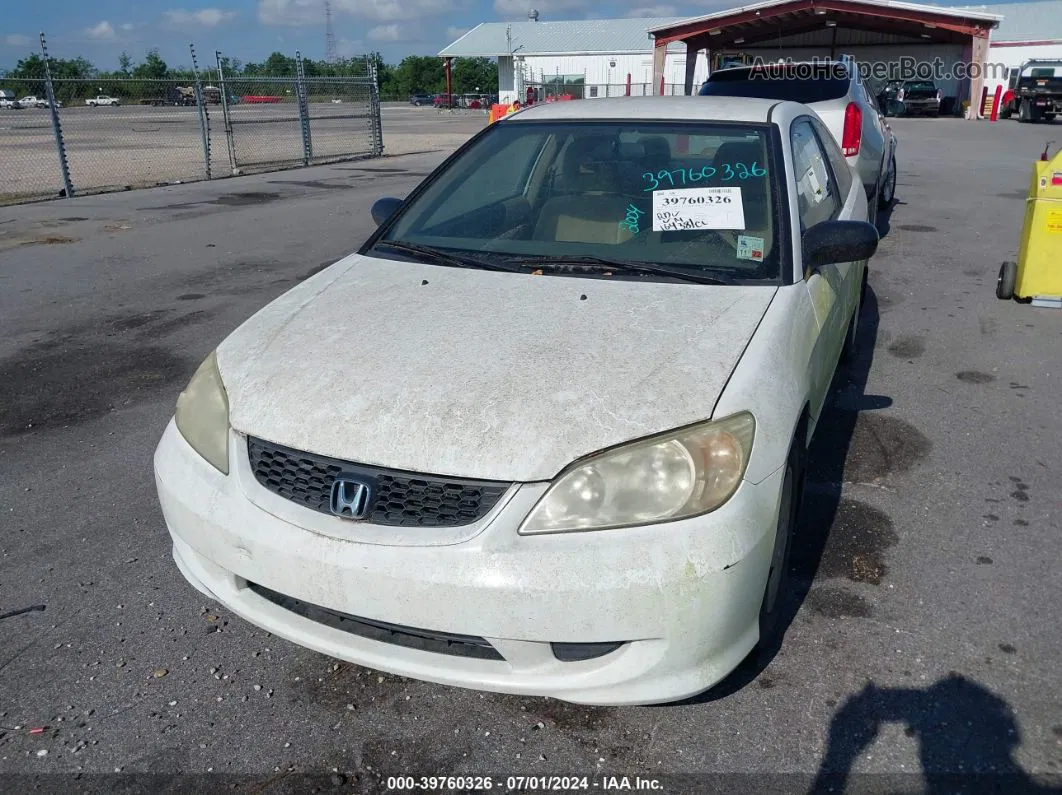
[749,247]
[697,208]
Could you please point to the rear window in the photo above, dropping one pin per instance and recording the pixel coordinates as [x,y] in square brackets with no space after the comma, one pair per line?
[794,82]
[1043,71]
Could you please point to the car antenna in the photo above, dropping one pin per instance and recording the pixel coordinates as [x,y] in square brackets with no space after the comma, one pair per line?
[1048,146]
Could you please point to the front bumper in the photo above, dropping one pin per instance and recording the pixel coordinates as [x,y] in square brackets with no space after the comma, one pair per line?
[682,597]
[921,105]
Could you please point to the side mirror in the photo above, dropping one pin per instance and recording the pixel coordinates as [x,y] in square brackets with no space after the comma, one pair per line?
[384,208]
[839,241]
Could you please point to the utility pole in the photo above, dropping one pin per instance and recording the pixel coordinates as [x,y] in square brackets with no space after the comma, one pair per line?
[330,36]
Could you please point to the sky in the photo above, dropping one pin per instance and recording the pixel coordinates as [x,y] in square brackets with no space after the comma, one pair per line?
[252,29]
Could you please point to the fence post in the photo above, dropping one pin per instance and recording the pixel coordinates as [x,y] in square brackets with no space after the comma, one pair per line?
[375,111]
[229,143]
[57,126]
[304,110]
[204,119]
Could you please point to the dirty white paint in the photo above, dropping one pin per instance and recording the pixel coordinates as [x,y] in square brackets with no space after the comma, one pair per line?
[455,377]
[660,588]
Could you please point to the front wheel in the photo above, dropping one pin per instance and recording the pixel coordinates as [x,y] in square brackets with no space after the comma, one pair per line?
[851,338]
[1008,277]
[778,574]
[888,185]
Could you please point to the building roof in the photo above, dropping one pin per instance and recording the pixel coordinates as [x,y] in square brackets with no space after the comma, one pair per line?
[651,108]
[570,37]
[952,11]
[1036,21]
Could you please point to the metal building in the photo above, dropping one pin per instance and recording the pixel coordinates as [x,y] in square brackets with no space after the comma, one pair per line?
[1028,30]
[885,32]
[610,57]
[582,58]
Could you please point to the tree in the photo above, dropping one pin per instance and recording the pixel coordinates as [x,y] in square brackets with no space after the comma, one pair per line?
[417,74]
[475,75]
[125,63]
[153,68]
[32,68]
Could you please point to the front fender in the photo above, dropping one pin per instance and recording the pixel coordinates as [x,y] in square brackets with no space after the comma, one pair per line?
[774,378]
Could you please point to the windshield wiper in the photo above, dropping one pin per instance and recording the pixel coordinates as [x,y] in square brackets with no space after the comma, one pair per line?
[624,266]
[442,258]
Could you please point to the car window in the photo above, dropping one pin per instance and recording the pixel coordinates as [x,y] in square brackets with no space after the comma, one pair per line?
[839,165]
[501,175]
[1042,71]
[817,198]
[921,85]
[696,195]
[796,82]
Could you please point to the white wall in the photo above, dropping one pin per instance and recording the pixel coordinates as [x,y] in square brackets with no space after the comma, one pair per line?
[1016,56]
[597,72]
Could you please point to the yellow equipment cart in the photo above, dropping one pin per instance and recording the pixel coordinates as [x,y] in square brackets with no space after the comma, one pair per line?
[1037,275]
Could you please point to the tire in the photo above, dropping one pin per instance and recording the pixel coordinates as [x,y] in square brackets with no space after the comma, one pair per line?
[1049,117]
[887,192]
[778,573]
[1024,112]
[851,337]
[1005,112]
[1008,276]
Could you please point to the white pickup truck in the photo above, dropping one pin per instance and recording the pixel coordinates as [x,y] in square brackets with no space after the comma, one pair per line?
[37,102]
[95,102]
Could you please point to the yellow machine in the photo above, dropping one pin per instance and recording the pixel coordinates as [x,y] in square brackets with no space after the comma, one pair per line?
[1037,275]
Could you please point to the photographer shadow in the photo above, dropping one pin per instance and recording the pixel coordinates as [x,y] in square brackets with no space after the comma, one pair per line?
[967,736]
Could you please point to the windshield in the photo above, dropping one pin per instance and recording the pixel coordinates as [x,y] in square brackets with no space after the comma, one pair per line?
[920,85]
[804,83]
[696,197]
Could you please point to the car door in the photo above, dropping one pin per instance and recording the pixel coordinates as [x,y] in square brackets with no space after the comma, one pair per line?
[818,200]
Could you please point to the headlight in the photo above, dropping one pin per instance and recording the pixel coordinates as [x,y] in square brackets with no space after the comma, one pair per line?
[202,414]
[671,476]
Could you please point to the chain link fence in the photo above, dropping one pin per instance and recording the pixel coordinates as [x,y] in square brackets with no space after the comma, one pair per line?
[118,134]
[550,90]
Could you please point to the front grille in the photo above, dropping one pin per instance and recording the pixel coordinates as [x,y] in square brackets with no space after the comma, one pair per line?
[410,638]
[398,499]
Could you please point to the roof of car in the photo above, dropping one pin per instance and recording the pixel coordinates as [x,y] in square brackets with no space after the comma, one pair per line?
[649,108]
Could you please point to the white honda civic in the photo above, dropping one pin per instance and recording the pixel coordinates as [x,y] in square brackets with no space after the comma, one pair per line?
[545,432]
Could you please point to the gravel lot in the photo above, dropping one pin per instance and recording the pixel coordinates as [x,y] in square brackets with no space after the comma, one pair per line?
[136,146]
[923,632]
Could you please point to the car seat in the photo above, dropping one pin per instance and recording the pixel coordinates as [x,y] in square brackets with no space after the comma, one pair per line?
[587,205]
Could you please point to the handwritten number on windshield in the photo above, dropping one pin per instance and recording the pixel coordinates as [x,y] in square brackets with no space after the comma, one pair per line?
[684,176]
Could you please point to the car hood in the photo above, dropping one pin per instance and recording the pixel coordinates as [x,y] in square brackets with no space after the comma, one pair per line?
[480,374]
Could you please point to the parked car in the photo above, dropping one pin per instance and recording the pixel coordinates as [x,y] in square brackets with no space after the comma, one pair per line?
[420,99]
[102,99]
[836,92]
[1034,91]
[445,101]
[573,460]
[37,102]
[7,103]
[910,98]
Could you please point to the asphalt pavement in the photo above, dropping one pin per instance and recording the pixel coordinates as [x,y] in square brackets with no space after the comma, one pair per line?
[923,624]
